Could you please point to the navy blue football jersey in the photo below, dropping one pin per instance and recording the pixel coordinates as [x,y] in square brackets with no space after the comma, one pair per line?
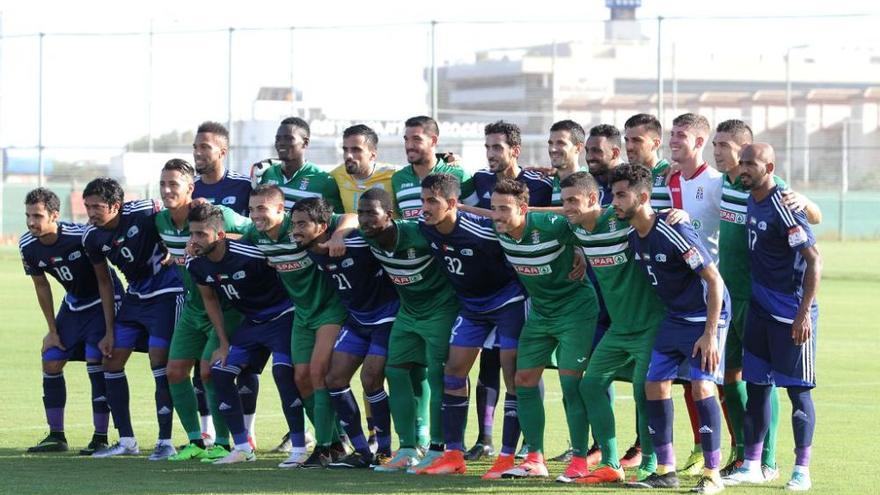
[540,187]
[232,191]
[474,263]
[134,247]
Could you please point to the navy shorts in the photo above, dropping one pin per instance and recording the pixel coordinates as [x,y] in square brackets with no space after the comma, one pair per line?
[80,332]
[673,346]
[153,318]
[363,340]
[248,345]
[770,356]
[472,329]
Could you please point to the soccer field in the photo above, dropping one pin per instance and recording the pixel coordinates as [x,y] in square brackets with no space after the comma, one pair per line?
[847,409]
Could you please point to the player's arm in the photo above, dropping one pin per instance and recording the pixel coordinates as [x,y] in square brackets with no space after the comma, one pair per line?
[345,224]
[483,212]
[796,201]
[548,209]
[706,345]
[47,306]
[802,328]
[108,304]
[215,314]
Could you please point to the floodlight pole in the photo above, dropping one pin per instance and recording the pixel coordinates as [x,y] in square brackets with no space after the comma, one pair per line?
[660,69]
[40,170]
[434,96]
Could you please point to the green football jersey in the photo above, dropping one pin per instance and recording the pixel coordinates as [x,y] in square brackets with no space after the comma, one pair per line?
[660,195]
[733,248]
[408,188]
[556,199]
[631,301]
[307,182]
[423,288]
[176,239]
[306,286]
[542,259]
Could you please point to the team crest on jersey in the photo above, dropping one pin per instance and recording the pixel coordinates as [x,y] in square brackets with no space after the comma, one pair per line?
[762,225]
[658,181]
[133,231]
[228,200]
[660,258]
[700,193]
[536,237]
[74,256]
[411,254]
[239,275]
[467,252]
[612,224]
[347,262]
[304,184]
[693,258]
[408,184]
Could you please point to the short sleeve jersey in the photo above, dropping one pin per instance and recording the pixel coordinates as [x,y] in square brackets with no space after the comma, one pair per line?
[556,194]
[672,257]
[308,181]
[776,237]
[631,302]
[474,263]
[65,260]
[245,280]
[350,189]
[422,287]
[660,198]
[175,241]
[359,280]
[542,259]
[232,191]
[733,245]
[407,188]
[134,247]
[309,289]
[540,187]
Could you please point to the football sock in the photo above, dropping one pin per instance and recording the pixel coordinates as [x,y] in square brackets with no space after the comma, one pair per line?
[595,393]
[756,420]
[803,423]
[54,399]
[643,436]
[221,431]
[381,419]
[530,409]
[768,455]
[100,410]
[693,415]
[349,413]
[186,405]
[291,403]
[435,383]
[419,384]
[710,431]
[576,414]
[454,413]
[735,407]
[660,417]
[228,401]
[488,388]
[199,390]
[164,406]
[248,388]
[402,402]
[510,429]
[118,400]
[324,419]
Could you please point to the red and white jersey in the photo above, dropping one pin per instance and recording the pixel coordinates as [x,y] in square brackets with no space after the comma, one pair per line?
[700,197]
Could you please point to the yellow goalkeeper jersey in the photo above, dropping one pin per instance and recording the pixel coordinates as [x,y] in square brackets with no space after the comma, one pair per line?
[350,189]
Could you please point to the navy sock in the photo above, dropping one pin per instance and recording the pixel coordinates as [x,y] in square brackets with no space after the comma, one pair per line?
[291,403]
[803,423]
[229,403]
[757,419]
[164,407]
[54,399]
[100,409]
[488,388]
[349,414]
[454,421]
[118,400]
[710,431]
[378,400]
[248,388]
[199,389]
[510,430]
[660,417]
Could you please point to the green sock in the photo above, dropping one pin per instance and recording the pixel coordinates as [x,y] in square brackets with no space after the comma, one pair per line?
[309,406]
[422,392]
[325,418]
[184,399]
[220,427]
[768,456]
[530,409]
[735,400]
[649,458]
[402,402]
[576,414]
[594,390]
[435,383]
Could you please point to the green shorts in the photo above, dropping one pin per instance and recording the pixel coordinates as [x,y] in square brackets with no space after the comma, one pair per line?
[733,348]
[622,356]
[194,336]
[302,342]
[420,339]
[570,339]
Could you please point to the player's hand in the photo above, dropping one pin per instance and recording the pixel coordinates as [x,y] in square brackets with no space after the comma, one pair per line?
[795,201]
[257,171]
[675,216]
[449,157]
[219,356]
[336,246]
[578,266]
[547,171]
[801,329]
[707,348]
[198,201]
[105,345]
[167,260]
[52,340]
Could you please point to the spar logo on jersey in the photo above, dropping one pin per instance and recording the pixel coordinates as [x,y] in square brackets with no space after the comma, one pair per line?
[693,258]
[133,231]
[601,261]
[733,217]
[413,213]
[796,236]
[405,279]
[533,271]
[304,184]
[74,256]
[292,266]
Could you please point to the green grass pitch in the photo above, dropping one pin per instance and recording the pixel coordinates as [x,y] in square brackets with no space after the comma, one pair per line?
[848,412]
